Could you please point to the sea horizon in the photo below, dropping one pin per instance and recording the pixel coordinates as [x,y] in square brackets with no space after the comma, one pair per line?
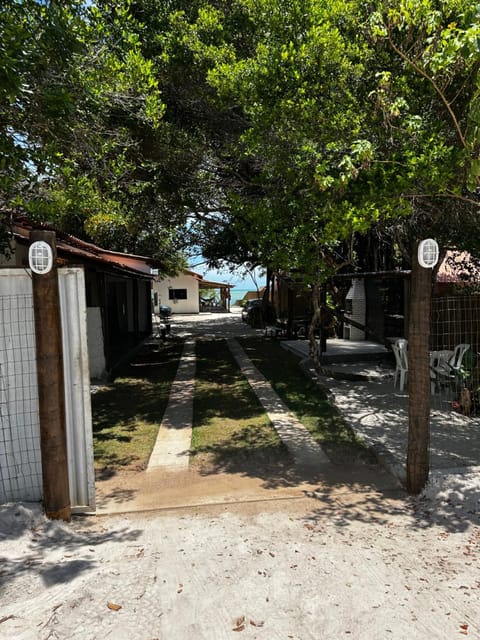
[238,293]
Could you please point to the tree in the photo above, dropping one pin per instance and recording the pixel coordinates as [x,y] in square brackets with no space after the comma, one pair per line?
[359,115]
[437,52]
[83,110]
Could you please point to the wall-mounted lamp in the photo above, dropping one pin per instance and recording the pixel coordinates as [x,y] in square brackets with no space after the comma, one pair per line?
[428,253]
[40,257]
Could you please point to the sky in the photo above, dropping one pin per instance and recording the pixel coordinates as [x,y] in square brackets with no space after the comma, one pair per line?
[237,278]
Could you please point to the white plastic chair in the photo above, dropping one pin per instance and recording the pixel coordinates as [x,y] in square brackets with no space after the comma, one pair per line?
[399,348]
[450,369]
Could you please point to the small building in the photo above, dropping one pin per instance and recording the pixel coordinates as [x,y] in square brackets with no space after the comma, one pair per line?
[188,292]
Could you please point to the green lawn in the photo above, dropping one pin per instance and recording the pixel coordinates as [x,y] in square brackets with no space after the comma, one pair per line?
[231,428]
[305,398]
[126,413]
[229,421]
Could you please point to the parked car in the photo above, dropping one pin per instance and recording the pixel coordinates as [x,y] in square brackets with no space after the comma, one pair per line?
[250,305]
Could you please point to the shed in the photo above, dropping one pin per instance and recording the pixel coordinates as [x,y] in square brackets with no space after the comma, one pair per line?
[188,292]
[117,290]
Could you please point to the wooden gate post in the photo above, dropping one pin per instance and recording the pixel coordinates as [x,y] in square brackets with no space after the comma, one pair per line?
[418,463]
[51,393]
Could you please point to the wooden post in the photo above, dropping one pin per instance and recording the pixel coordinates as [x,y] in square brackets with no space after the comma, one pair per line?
[418,465]
[51,394]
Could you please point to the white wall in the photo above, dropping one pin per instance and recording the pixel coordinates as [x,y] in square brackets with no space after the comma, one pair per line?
[182,281]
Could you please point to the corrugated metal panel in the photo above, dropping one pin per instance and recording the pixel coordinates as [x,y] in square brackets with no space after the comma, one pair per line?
[77,389]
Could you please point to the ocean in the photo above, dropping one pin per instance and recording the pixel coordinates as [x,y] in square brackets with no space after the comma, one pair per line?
[237,294]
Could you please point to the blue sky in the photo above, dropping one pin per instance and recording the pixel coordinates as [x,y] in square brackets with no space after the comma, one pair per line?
[237,278]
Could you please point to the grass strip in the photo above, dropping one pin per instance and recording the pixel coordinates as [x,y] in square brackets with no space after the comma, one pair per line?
[126,413]
[230,424]
[306,400]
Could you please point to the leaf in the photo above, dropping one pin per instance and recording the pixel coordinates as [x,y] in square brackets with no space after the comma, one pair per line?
[260,623]
[239,624]
[113,606]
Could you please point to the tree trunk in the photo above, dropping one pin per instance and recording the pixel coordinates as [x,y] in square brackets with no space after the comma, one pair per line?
[418,377]
[313,325]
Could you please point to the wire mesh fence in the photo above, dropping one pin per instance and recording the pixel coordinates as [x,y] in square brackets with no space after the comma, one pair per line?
[20,455]
[455,357]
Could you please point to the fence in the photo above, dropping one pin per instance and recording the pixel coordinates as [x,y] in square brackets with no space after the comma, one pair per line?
[455,321]
[20,457]
[20,453]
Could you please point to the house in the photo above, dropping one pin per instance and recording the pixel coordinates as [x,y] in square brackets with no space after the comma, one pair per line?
[117,291]
[189,292]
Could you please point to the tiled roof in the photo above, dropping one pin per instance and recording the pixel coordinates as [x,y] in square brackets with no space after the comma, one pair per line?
[75,251]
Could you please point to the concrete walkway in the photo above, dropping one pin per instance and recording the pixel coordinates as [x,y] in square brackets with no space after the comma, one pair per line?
[172,446]
[304,450]
[365,394]
[171,450]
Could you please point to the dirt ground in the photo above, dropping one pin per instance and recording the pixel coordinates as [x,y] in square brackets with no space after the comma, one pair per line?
[231,479]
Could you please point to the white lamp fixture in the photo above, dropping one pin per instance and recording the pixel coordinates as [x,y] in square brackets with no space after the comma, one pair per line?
[40,257]
[428,253]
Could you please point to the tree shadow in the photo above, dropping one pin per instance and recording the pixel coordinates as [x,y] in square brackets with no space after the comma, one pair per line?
[451,505]
[76,540]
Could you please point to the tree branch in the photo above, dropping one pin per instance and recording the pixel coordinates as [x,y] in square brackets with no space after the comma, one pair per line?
[443,98]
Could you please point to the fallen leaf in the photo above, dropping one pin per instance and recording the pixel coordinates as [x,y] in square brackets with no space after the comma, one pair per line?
[239,624]
[260,623]
[113,606]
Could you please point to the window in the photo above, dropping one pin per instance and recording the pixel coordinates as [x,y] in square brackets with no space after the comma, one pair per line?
[177,294]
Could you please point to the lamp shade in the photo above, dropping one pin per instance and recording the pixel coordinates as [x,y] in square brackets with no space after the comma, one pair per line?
[428,253]
[40,257]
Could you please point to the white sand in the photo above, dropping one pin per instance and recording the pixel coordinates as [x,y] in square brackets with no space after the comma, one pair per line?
[340,564]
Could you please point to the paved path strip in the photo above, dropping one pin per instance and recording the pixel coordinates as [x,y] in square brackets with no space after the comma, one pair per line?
[172,446]
[303,448]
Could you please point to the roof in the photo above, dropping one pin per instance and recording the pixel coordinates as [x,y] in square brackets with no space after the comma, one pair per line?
[457,267]
[75,251]
[207,284]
